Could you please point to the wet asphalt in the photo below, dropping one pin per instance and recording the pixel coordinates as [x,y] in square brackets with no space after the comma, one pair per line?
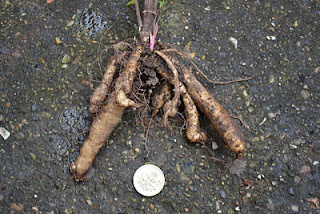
[50,61]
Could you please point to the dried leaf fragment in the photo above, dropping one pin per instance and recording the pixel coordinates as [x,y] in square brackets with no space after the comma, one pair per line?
[49,1]
[314,203]
[16,207]
[58,40]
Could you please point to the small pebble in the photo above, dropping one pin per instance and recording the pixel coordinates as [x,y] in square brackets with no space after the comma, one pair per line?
[89,202]
[64,66]
[4,133]
[290,191]
[315,163]
[129,143]
[272,115]
[292,146]
[234,41]
[151,207]
[66,59]
[305,94]
[223,194]
[178,168]
[214,145]
[272,79]
[272,38]
[137,150]
[296,179]
[70,23]
[295,208]
[245,93]
[33,156]
[298,44]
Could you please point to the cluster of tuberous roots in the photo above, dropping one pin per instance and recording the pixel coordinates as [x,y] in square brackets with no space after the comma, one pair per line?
[156,81]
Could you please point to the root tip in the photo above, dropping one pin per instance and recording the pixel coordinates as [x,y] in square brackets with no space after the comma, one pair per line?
[240,155]
[76,176]
[73,167]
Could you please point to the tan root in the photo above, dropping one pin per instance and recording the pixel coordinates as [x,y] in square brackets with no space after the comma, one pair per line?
[193,132]
[154,79]
[171,107]
[108,118]
[219,117]
[160,98]
[187,57]
[102,90]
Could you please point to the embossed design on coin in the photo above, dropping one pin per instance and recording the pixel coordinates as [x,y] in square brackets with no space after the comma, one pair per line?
[148,180]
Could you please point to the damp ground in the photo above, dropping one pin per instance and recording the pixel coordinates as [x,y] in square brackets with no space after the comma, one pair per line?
[51,57]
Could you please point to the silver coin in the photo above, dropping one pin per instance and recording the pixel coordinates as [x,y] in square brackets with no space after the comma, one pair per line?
[148,180]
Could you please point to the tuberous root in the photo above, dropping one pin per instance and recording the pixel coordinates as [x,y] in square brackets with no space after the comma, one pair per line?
[160,98]
[124,101]
[185,87]
[99,95]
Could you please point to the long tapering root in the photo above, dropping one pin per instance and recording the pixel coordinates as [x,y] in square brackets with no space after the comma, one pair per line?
[107,120]
[102,90]
[103,125]
[219,117]
[193,132]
